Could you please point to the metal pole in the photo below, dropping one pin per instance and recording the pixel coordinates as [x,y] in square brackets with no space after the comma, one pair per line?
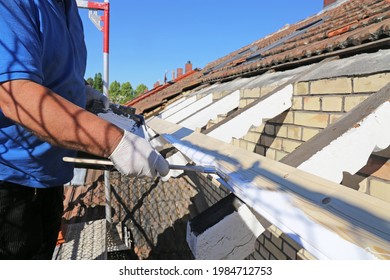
[106,36]
[93,7]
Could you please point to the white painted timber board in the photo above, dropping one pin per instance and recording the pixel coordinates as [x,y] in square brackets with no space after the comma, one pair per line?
[269,108]
[221,106]
[183,102]
[190,109]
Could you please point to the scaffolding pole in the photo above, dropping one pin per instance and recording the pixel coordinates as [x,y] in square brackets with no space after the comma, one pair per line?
[93,8]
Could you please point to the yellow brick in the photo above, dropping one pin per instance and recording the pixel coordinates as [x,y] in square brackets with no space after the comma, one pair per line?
[281,131]
[278,242]
[250,100]
[250,93]
[296,246]
[294,132]
[219,94]
[309,133]
[290,145]
[270,129]
[289,251]
[242,103]
[319,120]
[331,86]
[371,84]
[252,136]
[271,142]
[279,155]
[274,250]
[243,144]
[332,104]
[301,88]
[250,146]
[312,103]
[275,231]
[260,128]
[287,117]
[267,89]
[270,153]
[379,189]
[236,142]
[352,101]
[297,103]
[305,255]
[334,118]
[260,150]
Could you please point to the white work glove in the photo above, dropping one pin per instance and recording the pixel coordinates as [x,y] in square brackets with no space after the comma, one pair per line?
[135,156]
[93,94]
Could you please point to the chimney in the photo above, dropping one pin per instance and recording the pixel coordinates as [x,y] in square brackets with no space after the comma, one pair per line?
[173,75]
[328,2]
[156,84]
[188,67]
[179,72]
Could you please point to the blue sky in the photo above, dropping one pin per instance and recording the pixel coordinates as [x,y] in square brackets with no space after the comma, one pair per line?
[151,37]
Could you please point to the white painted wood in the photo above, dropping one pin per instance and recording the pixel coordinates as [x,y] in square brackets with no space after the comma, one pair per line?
[183,102]
[190,109]
[232,238]
[268,108]
[223,105]
[351,151]
[329,220]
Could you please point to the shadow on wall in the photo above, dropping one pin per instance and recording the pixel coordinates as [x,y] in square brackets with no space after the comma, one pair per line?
[267,139]
[155,214]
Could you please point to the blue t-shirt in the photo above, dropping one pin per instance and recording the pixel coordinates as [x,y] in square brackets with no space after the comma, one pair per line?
[42,41]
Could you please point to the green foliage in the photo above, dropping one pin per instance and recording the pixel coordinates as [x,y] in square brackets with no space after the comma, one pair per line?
[90,81]
[140,90]
[118,93]
[98,82]
[127,92]
[115,92]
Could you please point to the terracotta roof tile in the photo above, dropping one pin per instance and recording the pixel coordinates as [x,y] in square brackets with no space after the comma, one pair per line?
[353,23]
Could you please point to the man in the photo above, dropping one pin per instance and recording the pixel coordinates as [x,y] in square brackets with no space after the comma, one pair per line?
[42,120]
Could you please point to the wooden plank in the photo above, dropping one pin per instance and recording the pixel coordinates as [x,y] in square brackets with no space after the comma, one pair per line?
[328,219]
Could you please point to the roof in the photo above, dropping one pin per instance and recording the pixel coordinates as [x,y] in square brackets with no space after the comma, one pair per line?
[342,28]
[158,94]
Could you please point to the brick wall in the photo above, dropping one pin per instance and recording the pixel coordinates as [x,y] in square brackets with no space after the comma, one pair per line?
[316,105]
[273,244]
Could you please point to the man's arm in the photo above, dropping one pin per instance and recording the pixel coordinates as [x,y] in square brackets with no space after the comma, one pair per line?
[57,120]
